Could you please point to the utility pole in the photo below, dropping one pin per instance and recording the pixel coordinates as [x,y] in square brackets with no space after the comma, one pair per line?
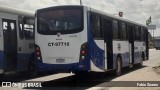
[80,2]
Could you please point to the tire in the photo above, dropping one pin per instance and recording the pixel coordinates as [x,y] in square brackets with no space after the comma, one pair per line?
[141,62]
[118,66]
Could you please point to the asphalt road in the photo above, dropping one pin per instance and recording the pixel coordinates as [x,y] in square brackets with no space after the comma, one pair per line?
[94,81]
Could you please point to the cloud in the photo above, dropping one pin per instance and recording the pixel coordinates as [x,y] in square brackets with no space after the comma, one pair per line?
[136,10]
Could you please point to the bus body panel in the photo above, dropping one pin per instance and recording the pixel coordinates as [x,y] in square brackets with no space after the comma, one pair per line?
[121,48]
[97,60]
[139,48]
[53,50]
[61,53]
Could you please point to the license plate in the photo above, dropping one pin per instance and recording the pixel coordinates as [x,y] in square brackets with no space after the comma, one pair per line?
[60,60]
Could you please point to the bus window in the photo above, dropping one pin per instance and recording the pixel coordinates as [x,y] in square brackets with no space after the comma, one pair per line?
[28,31]
[139,33]
[95,25]
[61,20]
[142,35]
[26,27]
[5,24]
[124,32]
[136,33]
[115,30]
[12,26]
[20,25]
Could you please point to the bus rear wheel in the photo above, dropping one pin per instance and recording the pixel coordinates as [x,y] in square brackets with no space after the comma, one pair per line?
[118,67]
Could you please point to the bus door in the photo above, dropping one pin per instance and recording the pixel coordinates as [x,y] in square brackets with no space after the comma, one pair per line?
[10,44]
[131,44]
[108,41]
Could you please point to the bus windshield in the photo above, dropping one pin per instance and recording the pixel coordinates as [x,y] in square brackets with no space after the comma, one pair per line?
[60,20]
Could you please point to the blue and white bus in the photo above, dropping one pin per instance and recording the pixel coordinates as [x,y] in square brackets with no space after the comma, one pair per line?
[16,40]
[79,38]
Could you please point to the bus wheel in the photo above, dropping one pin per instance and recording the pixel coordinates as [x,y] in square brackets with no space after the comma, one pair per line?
[141,62]
[118,67]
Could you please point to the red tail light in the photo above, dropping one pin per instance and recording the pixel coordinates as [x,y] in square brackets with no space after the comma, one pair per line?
[83,51]
[38,53]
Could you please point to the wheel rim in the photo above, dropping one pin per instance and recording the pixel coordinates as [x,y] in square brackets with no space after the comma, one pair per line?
[118,71]
[141,63]
[118,66]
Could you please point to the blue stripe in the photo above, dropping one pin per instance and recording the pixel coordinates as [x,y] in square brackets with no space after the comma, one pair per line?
[96,54]
[1,60]
[22,61]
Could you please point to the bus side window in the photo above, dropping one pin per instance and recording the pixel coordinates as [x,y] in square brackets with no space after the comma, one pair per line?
[144,34]
[136,33]
[124,32]
[20,26]
[120,34]
[141,34]
[28,31]
[96,26]
[115,30]
[5,25]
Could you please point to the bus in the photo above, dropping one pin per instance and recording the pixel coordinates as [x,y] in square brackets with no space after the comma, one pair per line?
[81,39]
[157,43]
[16,40]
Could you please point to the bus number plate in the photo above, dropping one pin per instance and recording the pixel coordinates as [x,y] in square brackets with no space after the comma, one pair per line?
[60,60]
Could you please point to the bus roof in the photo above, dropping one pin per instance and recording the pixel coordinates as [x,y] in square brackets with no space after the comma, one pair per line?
[112,16]
[16,11]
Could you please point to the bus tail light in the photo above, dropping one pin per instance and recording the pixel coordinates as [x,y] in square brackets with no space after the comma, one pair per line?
[38,53]
[83,51]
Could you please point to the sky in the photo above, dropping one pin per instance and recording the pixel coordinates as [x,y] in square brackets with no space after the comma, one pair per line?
[135,10]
